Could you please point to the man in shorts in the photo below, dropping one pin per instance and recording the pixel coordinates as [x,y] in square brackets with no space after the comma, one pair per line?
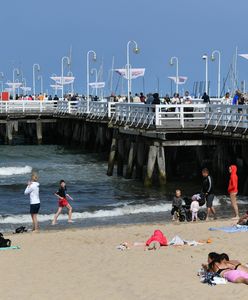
[207,190]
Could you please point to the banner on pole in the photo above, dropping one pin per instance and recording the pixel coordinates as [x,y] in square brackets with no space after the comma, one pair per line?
[134,73]
[181,79]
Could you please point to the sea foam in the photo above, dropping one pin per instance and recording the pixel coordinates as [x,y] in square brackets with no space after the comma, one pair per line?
[10,171]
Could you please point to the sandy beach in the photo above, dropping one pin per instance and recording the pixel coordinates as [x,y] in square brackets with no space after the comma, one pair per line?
[85,264]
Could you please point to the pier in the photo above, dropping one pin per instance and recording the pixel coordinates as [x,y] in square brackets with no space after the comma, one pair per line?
[143,141]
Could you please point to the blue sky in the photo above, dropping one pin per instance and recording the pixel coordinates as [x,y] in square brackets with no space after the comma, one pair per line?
[43,31]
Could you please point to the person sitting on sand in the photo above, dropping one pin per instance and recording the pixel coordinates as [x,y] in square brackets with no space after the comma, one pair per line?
[243,220]
[62,196]
[223,257]
[223,268]
[177,203]
[156,241]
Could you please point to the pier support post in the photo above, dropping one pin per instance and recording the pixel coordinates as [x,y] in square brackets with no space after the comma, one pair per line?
[10,127]
[150,165]
[39,131]
[111,161]
[120,160]
[140,160]
[161,165]
[130,162]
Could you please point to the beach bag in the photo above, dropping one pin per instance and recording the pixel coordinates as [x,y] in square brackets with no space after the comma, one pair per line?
[4,242]
[21,229]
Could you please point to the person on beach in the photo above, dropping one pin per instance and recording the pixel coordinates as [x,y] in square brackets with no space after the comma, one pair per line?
[233,190]
[177,203]
[156,241]
[207,191]
[63,202]
[243,220]
[33,191]
[194,208]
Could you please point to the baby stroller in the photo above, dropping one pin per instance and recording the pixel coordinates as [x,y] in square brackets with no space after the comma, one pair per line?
[185,213]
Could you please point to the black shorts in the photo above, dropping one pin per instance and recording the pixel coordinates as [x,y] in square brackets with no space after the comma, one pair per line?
[34,208]
[209,200]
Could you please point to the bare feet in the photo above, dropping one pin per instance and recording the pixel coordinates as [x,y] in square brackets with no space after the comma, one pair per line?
[235,218]
[70,221]
[54,223]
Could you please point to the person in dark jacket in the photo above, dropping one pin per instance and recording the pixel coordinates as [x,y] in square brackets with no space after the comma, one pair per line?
[205,98]
[156,99]
[207,190]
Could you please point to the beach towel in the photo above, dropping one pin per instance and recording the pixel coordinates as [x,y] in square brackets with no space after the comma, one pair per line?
[10,248]
[230,229]
[177,241]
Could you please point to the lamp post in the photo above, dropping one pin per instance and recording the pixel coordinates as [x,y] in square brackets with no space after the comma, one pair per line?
[41,83]
[62,72]
[205,57]
[15,70]
[136,51]
[72,86]
[88,76]
[174,58]
[35,66]
[96,79]
[2,76]
[219,63]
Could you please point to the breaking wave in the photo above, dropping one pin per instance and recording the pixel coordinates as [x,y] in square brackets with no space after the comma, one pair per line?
[10,171]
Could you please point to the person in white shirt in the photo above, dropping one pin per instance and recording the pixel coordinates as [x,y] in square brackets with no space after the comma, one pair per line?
[194,208]
[33,191]
[136,99]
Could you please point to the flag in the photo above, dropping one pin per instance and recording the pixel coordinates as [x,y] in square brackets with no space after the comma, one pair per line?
[181,79]
[244,56]
[97,85]
[134,73]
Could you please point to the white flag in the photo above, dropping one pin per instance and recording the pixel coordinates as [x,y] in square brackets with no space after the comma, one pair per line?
[134,73]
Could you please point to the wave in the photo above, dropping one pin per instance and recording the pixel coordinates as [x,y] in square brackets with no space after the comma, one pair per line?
[120,211]
[10,171]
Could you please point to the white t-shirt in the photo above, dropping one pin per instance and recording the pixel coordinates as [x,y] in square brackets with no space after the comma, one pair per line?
[33,191]
[194,207]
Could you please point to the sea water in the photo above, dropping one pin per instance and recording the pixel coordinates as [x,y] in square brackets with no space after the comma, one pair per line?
[97,198]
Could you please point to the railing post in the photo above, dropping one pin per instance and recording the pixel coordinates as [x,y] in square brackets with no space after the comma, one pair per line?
[69,107]
[23,106]
[41,106]
[181,107]
[109,110]
[157,119]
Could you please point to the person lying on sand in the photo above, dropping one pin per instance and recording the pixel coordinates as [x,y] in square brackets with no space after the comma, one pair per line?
[156,241]
[224,269]
[224,258]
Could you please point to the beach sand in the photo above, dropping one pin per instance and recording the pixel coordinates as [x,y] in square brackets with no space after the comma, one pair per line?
[85,264]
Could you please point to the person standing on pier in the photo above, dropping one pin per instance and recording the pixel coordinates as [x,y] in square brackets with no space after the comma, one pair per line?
[233,190]
[33,191]
[207,190]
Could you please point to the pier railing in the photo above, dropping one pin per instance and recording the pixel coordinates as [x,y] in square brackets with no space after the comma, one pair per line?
[213,117]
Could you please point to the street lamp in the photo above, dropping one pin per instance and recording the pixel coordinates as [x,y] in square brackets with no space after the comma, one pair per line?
[205,57]
[72,85]
[62,72]
[2,76]
[136,50]
[35,66]
[88,76]
[15,70]
[174,58]
[96,79]
[41,83]
[213,59]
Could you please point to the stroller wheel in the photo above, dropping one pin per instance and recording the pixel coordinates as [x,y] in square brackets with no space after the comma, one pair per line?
[181,218]
[202,215]
[188,216]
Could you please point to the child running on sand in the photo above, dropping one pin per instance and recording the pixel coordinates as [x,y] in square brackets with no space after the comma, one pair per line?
[62,196]
[194,207]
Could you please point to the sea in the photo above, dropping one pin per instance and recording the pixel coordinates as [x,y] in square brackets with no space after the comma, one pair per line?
[98,200]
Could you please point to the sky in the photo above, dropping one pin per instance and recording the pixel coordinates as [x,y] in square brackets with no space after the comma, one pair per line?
[42,32]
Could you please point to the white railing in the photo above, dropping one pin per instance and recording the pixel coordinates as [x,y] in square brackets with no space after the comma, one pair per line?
[27,106]
[214,116]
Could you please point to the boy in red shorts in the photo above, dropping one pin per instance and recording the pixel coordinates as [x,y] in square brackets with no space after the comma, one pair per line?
[62,196]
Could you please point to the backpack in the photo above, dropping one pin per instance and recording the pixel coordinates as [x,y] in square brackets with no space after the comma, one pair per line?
[21,229]
[4,242]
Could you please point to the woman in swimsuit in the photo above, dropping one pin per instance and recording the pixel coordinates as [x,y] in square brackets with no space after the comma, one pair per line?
[224,270]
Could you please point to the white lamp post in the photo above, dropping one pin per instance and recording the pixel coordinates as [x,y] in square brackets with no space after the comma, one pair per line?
[72,86]
[88,76]
[213,59]
[15,70]
[41,83]
[205,57]
[2,76]
[174,58]
[136,51]
[96,79]
[62,72]
[35,66]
